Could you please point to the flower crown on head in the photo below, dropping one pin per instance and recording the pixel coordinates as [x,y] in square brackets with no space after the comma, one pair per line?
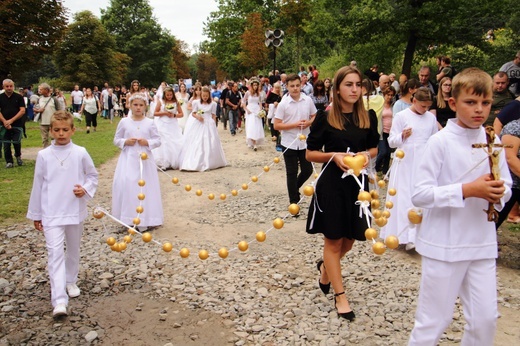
[137,96]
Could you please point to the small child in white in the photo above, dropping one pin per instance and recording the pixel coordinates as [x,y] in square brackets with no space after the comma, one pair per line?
[64,180]
[457,242]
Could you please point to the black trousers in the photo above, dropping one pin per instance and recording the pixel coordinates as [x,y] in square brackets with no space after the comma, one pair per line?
[90,118]
[12,135]
[294,180]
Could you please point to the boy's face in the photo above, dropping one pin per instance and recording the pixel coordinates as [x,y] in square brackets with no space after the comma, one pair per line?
[62,131]
[294,87]
[472,110]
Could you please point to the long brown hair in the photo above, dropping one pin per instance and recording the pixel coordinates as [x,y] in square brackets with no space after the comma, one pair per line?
[335,117]
[169,89]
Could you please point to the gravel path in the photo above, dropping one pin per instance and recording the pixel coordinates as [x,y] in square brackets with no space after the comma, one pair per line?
[265,296]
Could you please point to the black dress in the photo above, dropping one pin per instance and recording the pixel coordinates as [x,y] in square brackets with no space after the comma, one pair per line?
[333,211]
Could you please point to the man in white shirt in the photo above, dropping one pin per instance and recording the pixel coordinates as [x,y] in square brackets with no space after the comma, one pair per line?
[293,117]
[77,99]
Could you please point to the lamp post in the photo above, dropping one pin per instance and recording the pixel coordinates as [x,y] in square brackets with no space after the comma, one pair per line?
[274,38]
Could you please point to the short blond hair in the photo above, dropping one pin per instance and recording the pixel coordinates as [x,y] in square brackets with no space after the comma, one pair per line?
[62,116]
[472,79]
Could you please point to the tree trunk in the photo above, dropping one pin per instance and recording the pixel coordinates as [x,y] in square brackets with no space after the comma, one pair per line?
[408,53]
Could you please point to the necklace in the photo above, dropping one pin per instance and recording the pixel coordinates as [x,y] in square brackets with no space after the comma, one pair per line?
[59,160]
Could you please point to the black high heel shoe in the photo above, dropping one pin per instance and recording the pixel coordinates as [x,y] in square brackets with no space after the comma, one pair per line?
[346,315]
[325,288]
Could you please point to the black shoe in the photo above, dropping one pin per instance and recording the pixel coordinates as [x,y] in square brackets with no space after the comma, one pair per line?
[325,288]
[19,161]
[346,315]
[88,131]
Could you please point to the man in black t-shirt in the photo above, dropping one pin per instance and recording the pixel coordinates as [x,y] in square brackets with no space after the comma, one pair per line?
[12,110]
[223,106]
[233,98]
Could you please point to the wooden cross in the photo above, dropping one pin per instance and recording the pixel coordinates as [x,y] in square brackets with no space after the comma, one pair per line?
[494,167]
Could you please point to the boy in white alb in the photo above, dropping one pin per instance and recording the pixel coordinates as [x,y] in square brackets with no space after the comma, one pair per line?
[457,242]
[64,180]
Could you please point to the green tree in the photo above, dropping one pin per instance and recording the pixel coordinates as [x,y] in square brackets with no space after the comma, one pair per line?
[207,67]
[138,35]
[87,54]
[253,52]
[226,26]
[29,30]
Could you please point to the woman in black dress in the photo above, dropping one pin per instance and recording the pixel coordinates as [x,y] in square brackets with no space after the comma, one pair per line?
[346,129]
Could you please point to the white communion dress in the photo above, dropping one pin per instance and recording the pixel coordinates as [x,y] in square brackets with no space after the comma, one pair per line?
[183,101]
[128,172]
[402,172]
[254,125]
[202,149]
[168,154]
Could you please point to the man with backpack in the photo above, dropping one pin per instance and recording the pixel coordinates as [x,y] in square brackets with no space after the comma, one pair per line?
[44,109]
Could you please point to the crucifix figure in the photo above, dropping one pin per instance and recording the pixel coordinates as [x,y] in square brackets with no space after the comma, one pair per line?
[493,164]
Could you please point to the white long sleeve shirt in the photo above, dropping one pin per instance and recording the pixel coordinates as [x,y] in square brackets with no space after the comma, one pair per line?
[455,228]
[58,169]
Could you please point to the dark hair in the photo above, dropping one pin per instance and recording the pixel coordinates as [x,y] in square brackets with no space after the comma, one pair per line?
[205,90]
[319,92]
[446,59]
[412,83]
[368,85]
[360,114]
[389,90]
[169,89]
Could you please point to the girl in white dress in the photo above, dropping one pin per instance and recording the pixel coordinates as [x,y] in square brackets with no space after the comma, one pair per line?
[202,148]
[196,96]
[410,131]
[254,100]
[167,111]
[183,97]
[135,135]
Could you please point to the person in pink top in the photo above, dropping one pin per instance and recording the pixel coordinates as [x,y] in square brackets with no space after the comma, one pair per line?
[383,155]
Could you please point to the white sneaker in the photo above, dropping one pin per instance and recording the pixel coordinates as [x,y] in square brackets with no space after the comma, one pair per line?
[60,310]
[73,291]
[410,246]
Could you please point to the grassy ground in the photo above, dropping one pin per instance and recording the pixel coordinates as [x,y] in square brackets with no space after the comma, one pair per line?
[16,183]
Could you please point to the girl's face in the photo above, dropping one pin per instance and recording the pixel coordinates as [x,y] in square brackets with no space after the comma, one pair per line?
[446,87]
[421,107]
[135,87]
[349,90]
[205,96]
[197,92]
[389,97]
[327,83]
[183,87]
[88,92]
[168,95]
[254,86]
[138,107]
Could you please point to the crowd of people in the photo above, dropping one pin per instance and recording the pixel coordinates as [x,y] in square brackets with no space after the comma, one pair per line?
[435,122]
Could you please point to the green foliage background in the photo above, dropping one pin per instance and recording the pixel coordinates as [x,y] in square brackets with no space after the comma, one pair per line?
[128,43]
